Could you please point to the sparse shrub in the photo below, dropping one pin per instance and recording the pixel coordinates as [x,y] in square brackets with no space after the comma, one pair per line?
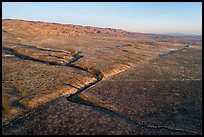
[129,45]
[98,31]
[97,73]
[186,46]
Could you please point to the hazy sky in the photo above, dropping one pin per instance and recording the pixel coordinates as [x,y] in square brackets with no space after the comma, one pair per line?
[152,17]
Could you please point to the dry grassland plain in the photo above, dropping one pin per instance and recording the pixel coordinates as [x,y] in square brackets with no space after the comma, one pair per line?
[71,79]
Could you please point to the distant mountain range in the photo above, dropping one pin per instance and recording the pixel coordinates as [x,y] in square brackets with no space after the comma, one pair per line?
[183,35]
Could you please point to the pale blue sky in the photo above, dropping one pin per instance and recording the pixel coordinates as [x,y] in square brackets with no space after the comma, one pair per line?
[150,17]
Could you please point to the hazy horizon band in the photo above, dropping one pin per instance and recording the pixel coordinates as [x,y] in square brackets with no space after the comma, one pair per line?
[143,17]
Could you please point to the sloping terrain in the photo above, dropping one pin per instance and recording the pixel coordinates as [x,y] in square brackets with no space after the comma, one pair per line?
[43,63]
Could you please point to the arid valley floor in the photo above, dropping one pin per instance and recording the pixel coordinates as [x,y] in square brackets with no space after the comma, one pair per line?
[71,79]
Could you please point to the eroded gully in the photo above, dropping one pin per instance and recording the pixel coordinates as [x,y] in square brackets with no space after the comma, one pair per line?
[75,98]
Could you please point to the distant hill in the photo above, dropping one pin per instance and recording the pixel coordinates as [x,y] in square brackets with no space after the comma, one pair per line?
[47,30]
[184,35]
[66,29]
